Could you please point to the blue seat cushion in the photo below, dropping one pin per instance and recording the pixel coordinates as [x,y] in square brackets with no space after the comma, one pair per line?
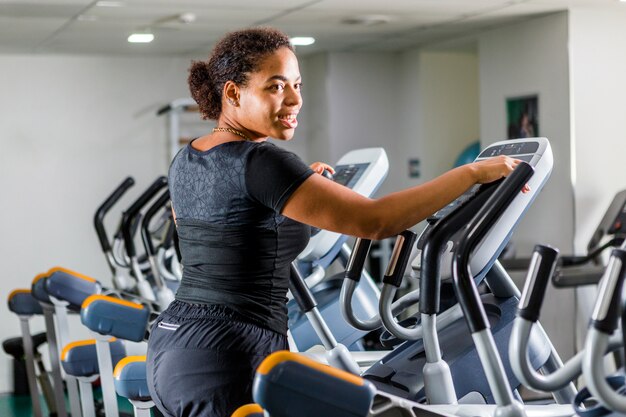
[80,358]
[71,286]
[130,378]
[38,289]
[22,302]
[112,316]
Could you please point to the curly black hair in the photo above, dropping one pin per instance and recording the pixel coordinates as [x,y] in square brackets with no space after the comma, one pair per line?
[234,57]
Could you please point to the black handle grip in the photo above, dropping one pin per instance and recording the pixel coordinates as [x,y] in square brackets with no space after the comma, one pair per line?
[483,221]
[542,266]
[129,215]
[436,241]
[300,291]
[356,263]
[603,319]
[145,223]
[98,219]
[399,258]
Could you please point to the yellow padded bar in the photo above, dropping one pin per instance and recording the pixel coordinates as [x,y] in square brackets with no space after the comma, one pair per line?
[96,297]
[284,355]
[121,364]
[72,345]
[39,276]
[18,291]
[246,410]
[70,272]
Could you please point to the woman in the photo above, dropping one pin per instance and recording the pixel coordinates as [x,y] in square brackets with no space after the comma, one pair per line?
[242,207]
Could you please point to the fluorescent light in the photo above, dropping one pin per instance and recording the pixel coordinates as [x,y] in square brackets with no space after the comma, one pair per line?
[141,38]
[110,3]
[302,41]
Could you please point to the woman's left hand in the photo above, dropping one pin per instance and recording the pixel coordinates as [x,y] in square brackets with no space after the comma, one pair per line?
[319,167]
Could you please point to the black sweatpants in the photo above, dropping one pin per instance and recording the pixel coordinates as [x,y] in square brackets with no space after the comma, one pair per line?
[201,360]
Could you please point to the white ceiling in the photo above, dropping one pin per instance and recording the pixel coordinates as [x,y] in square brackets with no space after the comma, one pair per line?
[85,27]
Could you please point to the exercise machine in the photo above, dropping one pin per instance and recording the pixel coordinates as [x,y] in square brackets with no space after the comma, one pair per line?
[443,335]
[363,171]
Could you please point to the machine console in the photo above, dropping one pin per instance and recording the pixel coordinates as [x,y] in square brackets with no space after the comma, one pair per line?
[362,170]
[535,151]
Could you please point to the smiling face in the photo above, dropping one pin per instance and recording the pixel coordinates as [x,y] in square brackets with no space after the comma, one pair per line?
[270,101]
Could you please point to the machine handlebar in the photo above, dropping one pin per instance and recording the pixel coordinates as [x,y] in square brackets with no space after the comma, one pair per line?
[129,215]
[542,266]
[356,263]
[105,207]
[145,223]
[482,222]
[399,258]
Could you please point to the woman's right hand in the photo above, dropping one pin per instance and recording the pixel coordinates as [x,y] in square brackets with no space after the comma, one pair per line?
[492,169]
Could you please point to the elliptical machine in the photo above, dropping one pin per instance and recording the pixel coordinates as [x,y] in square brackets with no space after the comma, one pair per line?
[439,339]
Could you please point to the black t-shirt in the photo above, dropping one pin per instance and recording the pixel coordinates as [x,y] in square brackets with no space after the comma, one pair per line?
[236,246]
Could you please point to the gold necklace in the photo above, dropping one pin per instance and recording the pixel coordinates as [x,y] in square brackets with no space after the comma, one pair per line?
[231,130]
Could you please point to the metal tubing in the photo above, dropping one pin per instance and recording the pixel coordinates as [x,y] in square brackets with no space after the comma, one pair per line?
[109,397]
[321,329]
[55,366]
[60,310]
[547,382]
[554,363]
[494,370]
[86,396]
[142,408]
[30,366]
[593,369]
[431,341]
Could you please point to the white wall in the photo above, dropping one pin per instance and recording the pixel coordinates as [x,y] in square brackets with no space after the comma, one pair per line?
[362,104]
[598,62]
[72,129]
[415,104]
[527,59]
[441,114]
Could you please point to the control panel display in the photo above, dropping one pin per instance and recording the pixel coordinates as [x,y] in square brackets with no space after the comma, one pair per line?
[348,175]
[524,151]
[510,149]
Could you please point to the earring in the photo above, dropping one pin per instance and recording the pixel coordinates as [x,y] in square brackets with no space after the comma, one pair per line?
[233,102]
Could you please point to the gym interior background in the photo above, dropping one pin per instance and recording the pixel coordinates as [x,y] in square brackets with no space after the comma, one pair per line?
[78,108]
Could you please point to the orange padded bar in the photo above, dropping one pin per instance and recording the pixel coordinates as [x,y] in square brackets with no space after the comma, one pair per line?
[70,272]
[18,291]
[96,297]
[284,355]
[246,410]
[121,364]
[39,276]
[72,345]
